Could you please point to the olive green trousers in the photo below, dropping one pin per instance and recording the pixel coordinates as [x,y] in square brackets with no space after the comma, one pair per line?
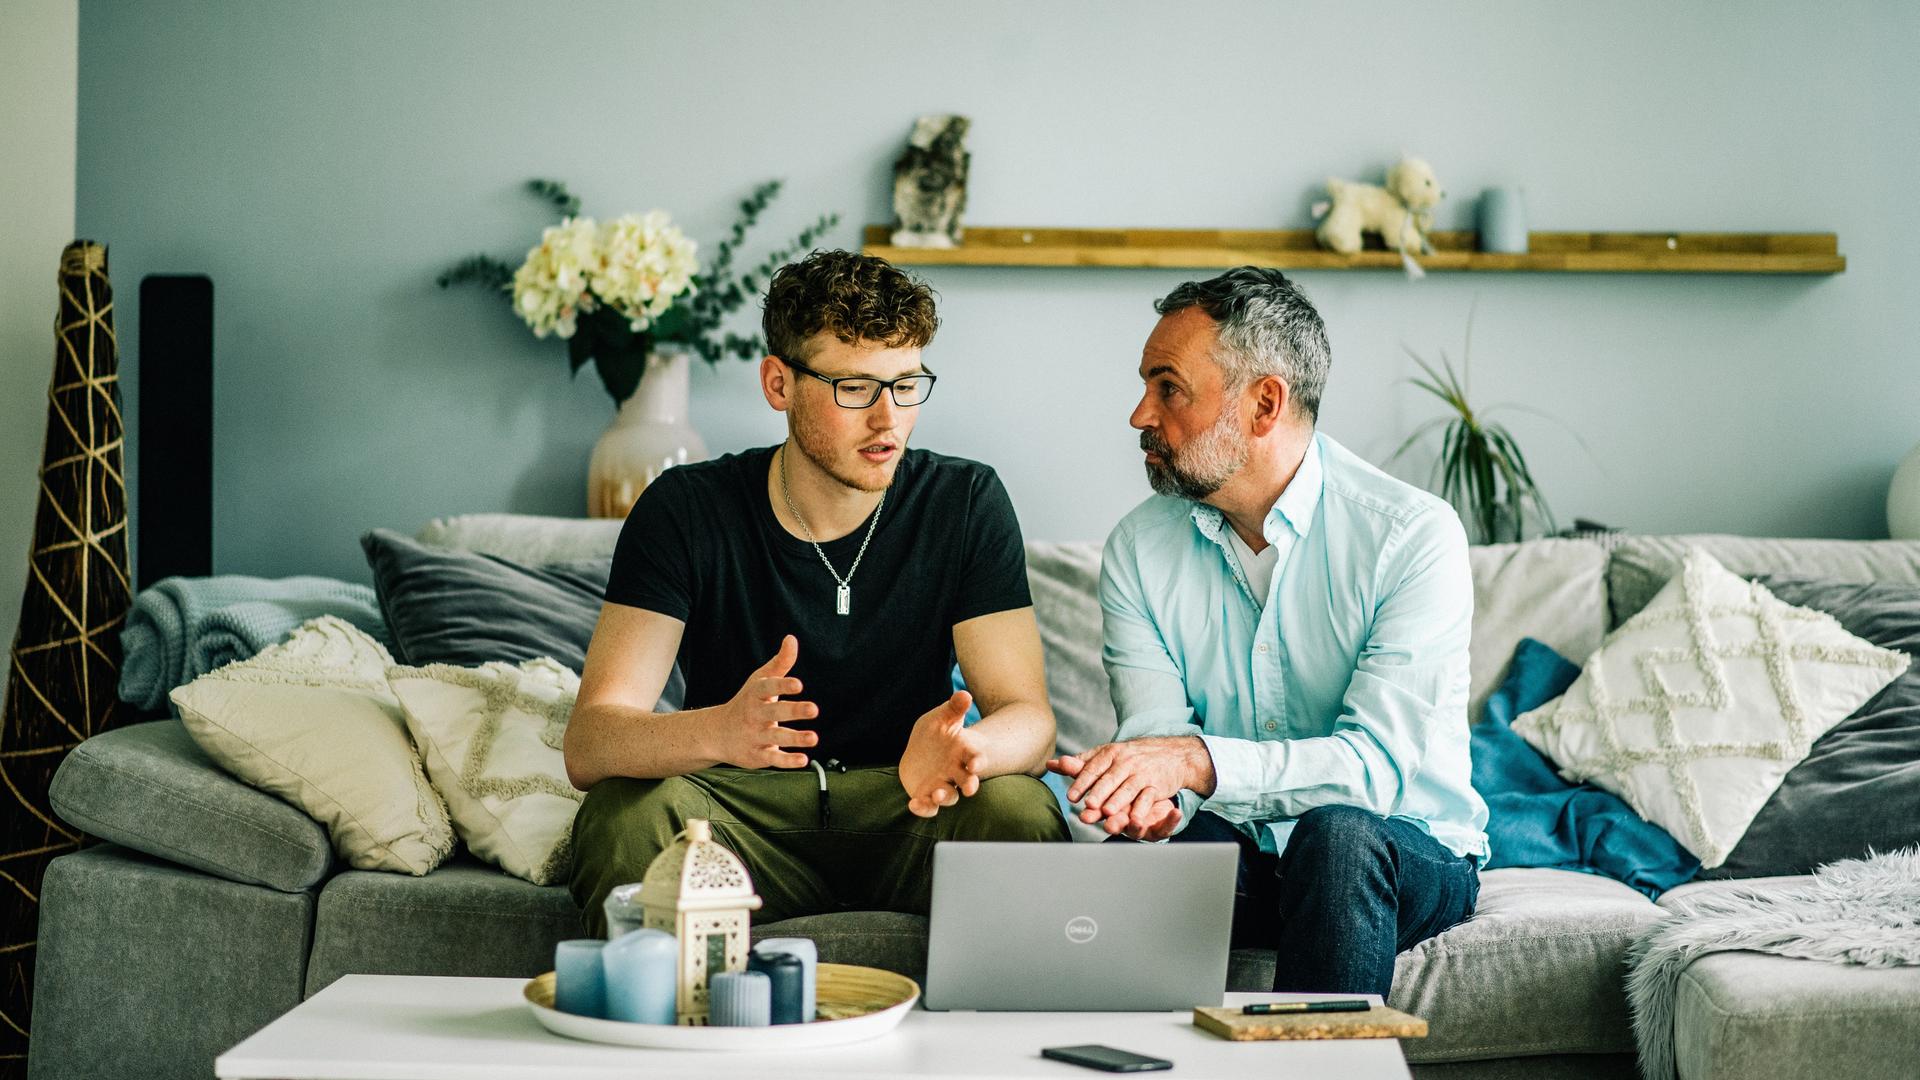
[870,853]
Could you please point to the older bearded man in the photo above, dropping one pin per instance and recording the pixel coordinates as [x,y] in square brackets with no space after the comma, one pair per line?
[1286,631]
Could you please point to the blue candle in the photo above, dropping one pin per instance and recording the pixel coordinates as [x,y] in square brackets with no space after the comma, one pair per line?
[787,976]
[578,987]
[739,999]
[809,955]
[643,974]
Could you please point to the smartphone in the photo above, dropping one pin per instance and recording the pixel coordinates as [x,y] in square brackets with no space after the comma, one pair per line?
[1106,1058]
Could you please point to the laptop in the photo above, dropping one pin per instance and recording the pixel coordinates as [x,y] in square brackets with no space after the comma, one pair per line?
[1079,927]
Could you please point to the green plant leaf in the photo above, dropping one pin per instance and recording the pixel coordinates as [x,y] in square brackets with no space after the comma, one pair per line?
[579,349]
[1563,425]
[1415,437]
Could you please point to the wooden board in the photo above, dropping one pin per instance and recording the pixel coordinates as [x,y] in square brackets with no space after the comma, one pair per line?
[1297,249]
[1378,1022]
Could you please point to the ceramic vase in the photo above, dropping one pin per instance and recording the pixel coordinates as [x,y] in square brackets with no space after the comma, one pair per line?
[649,435]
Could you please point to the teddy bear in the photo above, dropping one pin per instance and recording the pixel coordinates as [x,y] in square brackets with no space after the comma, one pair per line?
[1401,212]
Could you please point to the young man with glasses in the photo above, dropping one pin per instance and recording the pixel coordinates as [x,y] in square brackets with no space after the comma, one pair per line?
[816,595]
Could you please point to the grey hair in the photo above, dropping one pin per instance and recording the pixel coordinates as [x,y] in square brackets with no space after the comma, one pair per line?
[1267,327]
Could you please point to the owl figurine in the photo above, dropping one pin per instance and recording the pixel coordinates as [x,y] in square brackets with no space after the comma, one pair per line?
[930,183]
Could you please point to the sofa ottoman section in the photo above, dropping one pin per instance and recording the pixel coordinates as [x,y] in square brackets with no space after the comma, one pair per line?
[150,787]
[465,918]
[1745,1014]
[1537,970]
[152,970]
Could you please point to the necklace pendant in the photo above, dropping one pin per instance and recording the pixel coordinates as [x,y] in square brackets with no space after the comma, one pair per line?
[843,600]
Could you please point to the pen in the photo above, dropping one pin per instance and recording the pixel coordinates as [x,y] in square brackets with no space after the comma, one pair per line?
[1271,1007]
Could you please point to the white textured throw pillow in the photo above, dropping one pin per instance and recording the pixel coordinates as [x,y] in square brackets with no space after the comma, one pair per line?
[492,738]
[312,721]
[1696,708]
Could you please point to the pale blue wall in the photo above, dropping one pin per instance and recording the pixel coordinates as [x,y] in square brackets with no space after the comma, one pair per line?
[322,161]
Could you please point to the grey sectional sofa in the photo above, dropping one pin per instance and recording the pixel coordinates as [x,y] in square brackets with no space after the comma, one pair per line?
[211,908]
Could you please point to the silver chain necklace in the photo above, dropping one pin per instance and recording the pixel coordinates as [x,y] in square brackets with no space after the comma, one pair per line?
[843,599]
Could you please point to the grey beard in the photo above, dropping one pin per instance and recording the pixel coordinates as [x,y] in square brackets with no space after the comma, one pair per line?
[1203,465]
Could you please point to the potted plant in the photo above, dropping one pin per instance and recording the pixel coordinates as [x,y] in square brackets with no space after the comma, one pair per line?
[1480,469]
[629,296]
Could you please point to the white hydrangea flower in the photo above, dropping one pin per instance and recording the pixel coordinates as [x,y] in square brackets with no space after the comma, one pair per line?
[637,264]
[553,287]
[645,264]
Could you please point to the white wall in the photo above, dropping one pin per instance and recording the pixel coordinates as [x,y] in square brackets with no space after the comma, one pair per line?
[39,79]
[322,161]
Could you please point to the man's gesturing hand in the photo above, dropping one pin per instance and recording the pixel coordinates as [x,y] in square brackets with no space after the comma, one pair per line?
[750,734]
[942,761]
[1130,785]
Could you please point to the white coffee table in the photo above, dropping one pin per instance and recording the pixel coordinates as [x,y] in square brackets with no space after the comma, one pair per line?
[389,1027]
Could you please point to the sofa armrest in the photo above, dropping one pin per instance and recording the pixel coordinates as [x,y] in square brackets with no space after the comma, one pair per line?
[151,788]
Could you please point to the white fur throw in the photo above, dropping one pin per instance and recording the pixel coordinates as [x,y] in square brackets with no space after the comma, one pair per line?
[1856,911]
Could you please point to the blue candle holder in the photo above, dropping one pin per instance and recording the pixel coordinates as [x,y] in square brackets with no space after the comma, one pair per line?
[578,985]
[809,955]
[740,999]
[642,971]
[1503,221]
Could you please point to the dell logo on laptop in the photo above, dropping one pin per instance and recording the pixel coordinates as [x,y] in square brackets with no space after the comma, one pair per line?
[1081,929]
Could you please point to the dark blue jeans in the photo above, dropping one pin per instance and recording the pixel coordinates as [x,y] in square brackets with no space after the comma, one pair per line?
[1352,890]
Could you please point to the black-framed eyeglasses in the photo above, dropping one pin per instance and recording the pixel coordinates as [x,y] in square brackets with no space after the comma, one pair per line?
[861,391]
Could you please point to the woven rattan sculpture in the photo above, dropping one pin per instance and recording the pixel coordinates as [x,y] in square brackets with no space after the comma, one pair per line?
[66,655]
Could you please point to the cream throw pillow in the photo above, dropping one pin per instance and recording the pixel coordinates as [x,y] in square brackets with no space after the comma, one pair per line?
[312,721]
[1696,708]
[492,738]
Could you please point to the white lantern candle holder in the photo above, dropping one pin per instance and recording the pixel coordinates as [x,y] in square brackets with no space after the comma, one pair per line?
[699,891]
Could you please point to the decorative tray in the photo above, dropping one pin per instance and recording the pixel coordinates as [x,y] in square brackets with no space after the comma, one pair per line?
[854,1003]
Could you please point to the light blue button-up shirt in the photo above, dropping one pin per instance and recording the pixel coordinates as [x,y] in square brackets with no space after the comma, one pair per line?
[1345,686]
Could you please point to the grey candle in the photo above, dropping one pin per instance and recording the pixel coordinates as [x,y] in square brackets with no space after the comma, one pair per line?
[810,957]
[788,978]
[738,999]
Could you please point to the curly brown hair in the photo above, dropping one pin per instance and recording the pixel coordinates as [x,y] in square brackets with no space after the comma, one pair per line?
[854,297]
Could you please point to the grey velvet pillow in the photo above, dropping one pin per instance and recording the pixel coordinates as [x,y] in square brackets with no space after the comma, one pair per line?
[448,606]
[1840,802]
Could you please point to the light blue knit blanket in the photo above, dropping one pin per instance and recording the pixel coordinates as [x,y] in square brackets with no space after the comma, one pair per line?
[183,627]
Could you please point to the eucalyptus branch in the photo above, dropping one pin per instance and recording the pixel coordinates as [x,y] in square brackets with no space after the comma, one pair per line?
[556,193]
[479,269]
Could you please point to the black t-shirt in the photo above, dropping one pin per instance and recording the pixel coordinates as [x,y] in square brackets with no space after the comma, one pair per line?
[703,546]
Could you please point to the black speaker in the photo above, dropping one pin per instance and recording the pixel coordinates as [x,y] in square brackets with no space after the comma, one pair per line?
[174,514]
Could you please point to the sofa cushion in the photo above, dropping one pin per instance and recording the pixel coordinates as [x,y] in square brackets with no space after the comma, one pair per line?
[465,608]
[1554,591]
[1695,709]
[1641,565]
[493,739]
[1834,804]
[151,788]
[1746,1014]
[464,918]
[528,539]
[467,918]
[313,721]
[1678,897]
[1535,818]
[146,969]
[1538,969]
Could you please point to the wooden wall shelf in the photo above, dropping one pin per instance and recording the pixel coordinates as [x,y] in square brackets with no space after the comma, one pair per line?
[1296,249]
